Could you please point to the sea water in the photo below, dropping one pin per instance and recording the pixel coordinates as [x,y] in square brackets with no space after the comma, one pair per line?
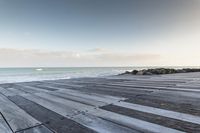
[9,75]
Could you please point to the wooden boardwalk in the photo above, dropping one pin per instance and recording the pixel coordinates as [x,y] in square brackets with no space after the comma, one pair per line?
[115,104]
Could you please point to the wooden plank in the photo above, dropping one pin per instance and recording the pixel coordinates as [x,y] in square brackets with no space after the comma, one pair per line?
[4,128]
[6,92]
[132,123]
[62,106]
[102,125]
[30,89]
[174,103]
[153,82]
[189,94]
[49,118]
[17,91]
[12,91]
[37,129]
[17,118]
[147,84]
[108,115]
[161,112]
[56,83]
[52,105]
[175,96]
[92,96]
[154,118]
[42,87]
[58,87]
[25,89]
[128,83]
[68,103]
[107,90]
[87,95]
[116,91]
[157,87]
[86,101]
[34,85]
[124,88]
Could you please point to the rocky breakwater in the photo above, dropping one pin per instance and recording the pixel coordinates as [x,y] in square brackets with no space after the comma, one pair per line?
[159,71]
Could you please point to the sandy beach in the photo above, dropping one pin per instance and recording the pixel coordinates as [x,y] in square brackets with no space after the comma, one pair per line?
[112,104]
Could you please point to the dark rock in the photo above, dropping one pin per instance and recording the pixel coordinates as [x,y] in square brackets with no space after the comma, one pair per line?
[158,71]
[140,73]
[127,72]
[180,71]
[134,72]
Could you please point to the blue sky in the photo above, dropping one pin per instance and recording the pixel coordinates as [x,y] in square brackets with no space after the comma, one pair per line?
[130,30]
[52,24]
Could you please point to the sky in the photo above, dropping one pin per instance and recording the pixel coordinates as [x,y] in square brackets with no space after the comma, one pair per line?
[79,33]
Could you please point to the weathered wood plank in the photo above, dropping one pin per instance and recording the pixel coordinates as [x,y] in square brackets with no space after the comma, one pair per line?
[106,90]
[115,91]
[37,129]
[167,95]
[4,128]
[188,95]
[135,82]
[92,96]
[64,102]
[86,101]
[161,112]
[43,87]
[154,118]
[49,118]
[102,125]
[17,91]
[85,96]
[56,83]
[24,89]
[107,115]
[6,92]
[132,123]
[173,103]
[157,87]
[62,107]
[30,89]
[52,105]
[17,118]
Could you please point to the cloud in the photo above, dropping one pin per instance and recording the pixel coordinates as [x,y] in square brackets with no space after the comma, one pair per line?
[123,59]
[39,58]
[128,57]
[16,57]
[31,57]
[97,50]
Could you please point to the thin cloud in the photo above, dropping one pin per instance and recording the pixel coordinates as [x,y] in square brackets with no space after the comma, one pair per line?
[97,50]
[31,57]
[120,57]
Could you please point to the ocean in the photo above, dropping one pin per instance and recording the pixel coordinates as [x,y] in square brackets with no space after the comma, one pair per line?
[10,75]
